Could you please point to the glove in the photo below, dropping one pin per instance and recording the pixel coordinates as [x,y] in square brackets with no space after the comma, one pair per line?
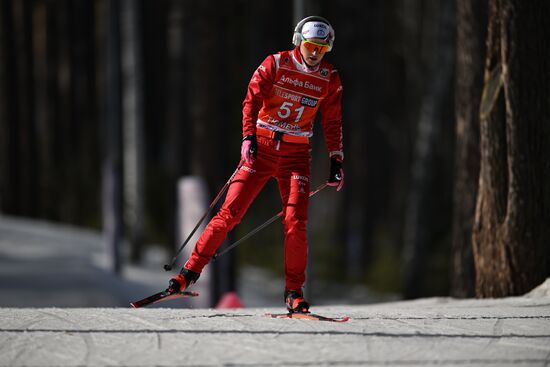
[336,177]
[249,148]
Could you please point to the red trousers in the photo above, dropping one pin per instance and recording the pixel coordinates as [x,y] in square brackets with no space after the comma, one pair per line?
[289,164]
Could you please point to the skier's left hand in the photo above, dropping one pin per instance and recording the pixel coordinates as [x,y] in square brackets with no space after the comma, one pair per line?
[336,177]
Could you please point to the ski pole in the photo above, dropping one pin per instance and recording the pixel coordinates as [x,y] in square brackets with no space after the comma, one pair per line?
[261,226]
[168,267]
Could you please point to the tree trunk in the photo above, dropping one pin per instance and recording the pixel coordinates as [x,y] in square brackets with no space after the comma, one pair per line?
[176,108]
[84,118]
[25,100]
[418,216]
[471,35]
[206,102]
[511,232]
[112,164]
[65,130]
[203,81]
[9,167]
[134,151]
[178,126]
[42,111]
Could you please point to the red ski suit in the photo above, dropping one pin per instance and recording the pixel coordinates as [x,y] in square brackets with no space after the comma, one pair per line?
[282,101]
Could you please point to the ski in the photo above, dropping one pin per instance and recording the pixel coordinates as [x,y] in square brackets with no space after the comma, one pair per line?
[306,316]
[162,296]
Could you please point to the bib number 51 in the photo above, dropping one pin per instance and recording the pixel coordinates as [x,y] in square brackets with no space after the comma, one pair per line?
[286,109]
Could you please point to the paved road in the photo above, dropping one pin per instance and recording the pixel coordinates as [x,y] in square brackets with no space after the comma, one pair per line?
[506,332]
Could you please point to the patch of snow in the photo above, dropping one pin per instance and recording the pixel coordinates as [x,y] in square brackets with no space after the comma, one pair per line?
[542,291]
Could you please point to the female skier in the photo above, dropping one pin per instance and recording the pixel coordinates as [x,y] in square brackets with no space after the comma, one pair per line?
[284,95]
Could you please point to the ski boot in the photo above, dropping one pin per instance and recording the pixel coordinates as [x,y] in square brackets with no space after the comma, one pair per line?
[295,302]
[182,281]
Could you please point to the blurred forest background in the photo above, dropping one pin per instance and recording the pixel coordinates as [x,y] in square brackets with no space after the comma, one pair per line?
[105,104]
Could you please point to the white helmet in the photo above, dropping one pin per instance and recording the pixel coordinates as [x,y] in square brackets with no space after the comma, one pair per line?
[322,27]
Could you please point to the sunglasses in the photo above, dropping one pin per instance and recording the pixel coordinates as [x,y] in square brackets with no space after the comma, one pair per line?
[314,46]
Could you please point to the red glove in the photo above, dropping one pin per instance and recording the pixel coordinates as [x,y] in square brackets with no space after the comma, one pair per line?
[249,148]
[336,177]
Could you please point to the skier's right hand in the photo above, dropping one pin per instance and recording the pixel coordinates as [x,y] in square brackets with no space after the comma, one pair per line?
[249,148]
